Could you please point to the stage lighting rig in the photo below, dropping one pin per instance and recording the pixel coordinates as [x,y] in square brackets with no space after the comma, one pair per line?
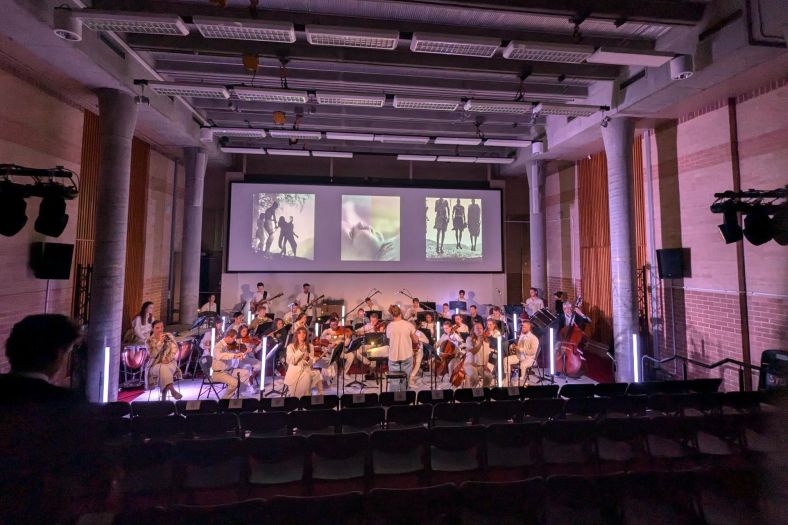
[765,215]
[53,185]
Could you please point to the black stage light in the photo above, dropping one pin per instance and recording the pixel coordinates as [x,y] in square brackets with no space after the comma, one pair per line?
[52,216]
[758,226]
[730,229]
[780,225]
[12,209]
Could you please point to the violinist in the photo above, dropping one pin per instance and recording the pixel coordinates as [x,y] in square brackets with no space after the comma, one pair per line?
[475,317]
[372,326]
[497,314]
[429,325]
[299,322]
[334,335]
[491,330]
[359,318]
[249,345]
[237,321]
[478,350]
[301,377]
[410,315]
[225,367]
[460,327]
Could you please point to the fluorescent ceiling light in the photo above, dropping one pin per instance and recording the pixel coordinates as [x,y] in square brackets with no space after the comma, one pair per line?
[454,45]
[363,137]
[255,30]
[289,152]
[347,99]
[174,89]
[458,141]
[401,139]
[425,103]
[497,106]
[247,151]
[239,132]
[629,57]
[465,160]
[148,23]
[494,160]
[271,95]
[347,37]
[333,154]
[420,158]
[565,110]
[546,52]
[513,143]
[295,134]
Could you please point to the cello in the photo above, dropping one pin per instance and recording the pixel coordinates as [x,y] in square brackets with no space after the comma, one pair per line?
[446,353]
[569,358]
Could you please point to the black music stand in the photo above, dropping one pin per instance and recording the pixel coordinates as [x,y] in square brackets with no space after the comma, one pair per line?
[428,306]
[272,356]
[354,345]
[335,358]
[422,316]
[263,328]
[458,306]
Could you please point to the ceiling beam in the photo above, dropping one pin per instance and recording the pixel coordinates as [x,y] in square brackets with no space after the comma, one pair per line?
[421,61]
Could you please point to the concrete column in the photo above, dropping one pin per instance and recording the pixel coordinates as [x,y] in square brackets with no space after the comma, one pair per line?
[118,115]
[194,163]
[536,177]
[618,137]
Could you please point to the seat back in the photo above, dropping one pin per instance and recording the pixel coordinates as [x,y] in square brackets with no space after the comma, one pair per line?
[456,449]
[453,414]
[340,508]
[198,406]
[512,392]
[156,427]
[359,400]
[577,390]
[338,456]
[413,505]
[500,412]
[363,419]
[313,421]
[466,395]
[263,424]
[401,416]
[275,460]
[399,451]
[513,501]
[211,425]
[279,404]
[541,392]
[542,409]
[239,406]
[610,389]
[512,445]
[152,408]
[326,402]
[430,397]
[388,399]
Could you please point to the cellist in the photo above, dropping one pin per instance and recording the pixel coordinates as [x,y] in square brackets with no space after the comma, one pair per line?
[572,315]
[569,359]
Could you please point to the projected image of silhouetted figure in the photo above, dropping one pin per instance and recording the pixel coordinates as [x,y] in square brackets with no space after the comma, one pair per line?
[474,222]
[458,222]
[441,221]
[287,236]
[273,221]
[269,225]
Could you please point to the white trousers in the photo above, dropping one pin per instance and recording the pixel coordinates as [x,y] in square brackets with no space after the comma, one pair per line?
[230,378]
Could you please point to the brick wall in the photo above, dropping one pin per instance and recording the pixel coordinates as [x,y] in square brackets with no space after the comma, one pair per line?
[43,132]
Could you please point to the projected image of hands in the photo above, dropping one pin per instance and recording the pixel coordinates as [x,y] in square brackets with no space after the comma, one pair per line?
[284,225]
[454,228]
[370,228]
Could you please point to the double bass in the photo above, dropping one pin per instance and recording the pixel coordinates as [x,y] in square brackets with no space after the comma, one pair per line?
[569,358]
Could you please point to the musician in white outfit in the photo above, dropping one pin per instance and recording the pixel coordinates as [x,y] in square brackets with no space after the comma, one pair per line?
[527,349]
[205,342]
[418,357]
[301,377]
[410,315]
[533,304]
[477,356]
[225,365]
[210,306]
[162,367]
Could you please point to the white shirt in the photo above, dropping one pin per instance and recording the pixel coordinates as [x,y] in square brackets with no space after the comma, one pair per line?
[481,357]
[205,343]
[528,345]
[141,331]
[259,296]
[290,317]
[208,307]
[462,329]
[533,305]
[399,333]
[304,299]
[456,339]
[410,315]
[222,357]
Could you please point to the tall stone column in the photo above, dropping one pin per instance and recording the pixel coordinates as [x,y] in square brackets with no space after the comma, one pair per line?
[536,178]
[194,164]
[118,116]
[618,137]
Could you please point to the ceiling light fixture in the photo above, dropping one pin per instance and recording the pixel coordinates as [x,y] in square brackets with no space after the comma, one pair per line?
[459,141]
[494,160]
[271,95]
[454,45]
[246,151]
[547,52]
[238,132]
[121,22]
[464,160]
[295,134]
[289,152]
[254,30]
[417,158]
[347,99]
[347,37]
[425,103]
[509,143]
[497,106]
[401,139]
[629,57]
[362,137]
[333,154]
[565,110]
[175,89]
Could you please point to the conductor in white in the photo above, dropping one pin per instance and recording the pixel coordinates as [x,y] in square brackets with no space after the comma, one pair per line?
[402,336]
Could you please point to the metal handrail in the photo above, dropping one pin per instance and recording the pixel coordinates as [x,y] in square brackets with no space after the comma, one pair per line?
[688,360]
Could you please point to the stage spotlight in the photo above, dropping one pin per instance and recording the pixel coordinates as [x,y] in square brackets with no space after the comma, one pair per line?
[52,216]
[780,225]
[758,226]
[730,229]
[12,209]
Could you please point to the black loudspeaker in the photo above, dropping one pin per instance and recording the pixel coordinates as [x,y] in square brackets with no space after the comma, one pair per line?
[774,370]
[51,260]
[670,263]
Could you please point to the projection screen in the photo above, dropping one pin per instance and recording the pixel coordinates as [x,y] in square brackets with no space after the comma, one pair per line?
[312,228]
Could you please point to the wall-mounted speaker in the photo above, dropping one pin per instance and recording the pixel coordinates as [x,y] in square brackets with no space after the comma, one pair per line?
[51,260]
[670,262]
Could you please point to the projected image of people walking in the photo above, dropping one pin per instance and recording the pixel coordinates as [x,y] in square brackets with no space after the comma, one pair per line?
[284,225]
[453,228]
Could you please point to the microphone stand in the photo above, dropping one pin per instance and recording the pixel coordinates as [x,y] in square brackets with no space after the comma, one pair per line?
[347,314]
[425,308]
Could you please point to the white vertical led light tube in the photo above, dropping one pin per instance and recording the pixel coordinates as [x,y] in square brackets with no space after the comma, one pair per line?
[213,343]
[437,330]
[636,362]
[317,329]
[249,317]
[105,385]
[552,352]
[343,315]
[500,362]
[456,311]
[224,321]
[514,323]
[262,368]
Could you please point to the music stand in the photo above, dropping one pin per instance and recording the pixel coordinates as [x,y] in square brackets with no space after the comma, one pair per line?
[455,306]
[272,355]
[335,354]
[262,328]
[513,309]
[422,316]
[428,305]
[354,345]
